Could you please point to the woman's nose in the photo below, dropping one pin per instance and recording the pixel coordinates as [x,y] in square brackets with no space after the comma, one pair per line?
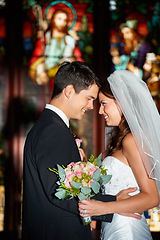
[101,110]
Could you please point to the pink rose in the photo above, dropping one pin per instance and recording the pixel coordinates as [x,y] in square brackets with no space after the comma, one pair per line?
[70,165]
[67,183]
[92,170]
[69,175]
[78,142]
[78,173]
[90,182]
[82,165]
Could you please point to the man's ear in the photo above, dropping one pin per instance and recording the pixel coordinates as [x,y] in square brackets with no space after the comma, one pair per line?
[69,90]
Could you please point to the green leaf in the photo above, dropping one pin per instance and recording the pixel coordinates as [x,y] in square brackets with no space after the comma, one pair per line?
[60,194]
[60,190]
[58,183]
[85,190]
[91,159]
[96,175]
[99,160]
[70,196]
[61,173]
[105,178]
[95,187]
[81,196]
[103,170]
[76,184]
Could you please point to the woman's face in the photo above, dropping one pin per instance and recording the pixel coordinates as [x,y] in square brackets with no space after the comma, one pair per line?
[110,110]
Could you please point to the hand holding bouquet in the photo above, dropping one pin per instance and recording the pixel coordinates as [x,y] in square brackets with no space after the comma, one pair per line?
[81,179]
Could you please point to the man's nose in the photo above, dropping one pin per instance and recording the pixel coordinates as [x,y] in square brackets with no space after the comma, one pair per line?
[90,105]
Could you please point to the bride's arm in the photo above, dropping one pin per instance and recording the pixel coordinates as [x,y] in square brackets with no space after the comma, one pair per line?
[148,198]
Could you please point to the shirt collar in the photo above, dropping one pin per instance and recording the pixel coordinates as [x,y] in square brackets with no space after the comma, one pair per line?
[59,112]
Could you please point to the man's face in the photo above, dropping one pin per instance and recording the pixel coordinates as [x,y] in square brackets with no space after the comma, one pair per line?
[82,102]
[128,34]
[60,21]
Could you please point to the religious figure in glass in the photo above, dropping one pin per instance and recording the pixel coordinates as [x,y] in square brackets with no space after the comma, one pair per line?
[131,54]
[54,45]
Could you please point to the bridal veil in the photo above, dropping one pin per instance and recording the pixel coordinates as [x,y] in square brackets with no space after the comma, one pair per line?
[139,109]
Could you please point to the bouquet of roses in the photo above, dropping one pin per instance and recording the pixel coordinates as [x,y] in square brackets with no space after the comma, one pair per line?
[81,179]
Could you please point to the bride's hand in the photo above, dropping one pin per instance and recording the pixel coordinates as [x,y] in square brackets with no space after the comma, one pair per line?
[90,208]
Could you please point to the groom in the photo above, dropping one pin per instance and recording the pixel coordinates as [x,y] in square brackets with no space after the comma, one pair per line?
[49,142]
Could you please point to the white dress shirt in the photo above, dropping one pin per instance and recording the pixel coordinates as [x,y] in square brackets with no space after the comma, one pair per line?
[59,112]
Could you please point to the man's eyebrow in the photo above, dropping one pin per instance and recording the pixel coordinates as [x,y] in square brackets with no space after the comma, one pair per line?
[92,97]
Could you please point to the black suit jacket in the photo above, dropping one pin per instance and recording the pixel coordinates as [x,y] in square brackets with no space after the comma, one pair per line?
[45,217]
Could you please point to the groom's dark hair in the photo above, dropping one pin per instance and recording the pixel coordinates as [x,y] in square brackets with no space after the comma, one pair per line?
[76,73]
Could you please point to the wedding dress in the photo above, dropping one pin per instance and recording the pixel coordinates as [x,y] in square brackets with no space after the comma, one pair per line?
[122,227]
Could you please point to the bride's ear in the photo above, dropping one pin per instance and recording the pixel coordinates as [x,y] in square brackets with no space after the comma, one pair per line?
[68,91]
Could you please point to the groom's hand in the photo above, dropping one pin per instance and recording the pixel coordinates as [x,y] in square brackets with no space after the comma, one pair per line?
[93,224]
[124,194]
[134,215]
[82,155]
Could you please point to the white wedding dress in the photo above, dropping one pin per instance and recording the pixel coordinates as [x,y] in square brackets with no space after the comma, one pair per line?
[122,227]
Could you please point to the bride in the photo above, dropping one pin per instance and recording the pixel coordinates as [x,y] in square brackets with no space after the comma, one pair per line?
[133,156]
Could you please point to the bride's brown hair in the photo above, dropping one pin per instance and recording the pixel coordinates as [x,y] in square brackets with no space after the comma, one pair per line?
[114,141]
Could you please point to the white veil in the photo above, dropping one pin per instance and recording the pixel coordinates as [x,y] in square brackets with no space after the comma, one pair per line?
[142,116]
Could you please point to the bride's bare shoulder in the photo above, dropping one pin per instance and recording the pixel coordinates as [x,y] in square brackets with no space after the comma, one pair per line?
[128,143]
[128,138]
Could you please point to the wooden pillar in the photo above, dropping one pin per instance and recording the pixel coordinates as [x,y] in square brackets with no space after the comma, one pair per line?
[101,65]
[13,128]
